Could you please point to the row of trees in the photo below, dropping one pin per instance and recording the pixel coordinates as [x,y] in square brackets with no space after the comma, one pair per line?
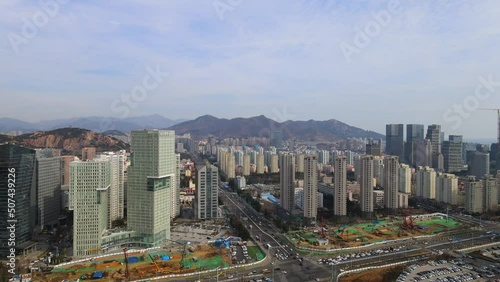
[240,229]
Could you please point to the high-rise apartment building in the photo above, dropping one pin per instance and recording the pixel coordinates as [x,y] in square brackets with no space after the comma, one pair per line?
[425,185]
[404,179]
[48,187]
[207,195]
[176,207]
[366,185]
[19,162]
[324,157]
[230,166]
[300,162]
[274,164]
[310,187]
[473,195]
[340,186]
[246,165]
[88,153]
[350,157]
[447,188]
[490,194]
[260,164]
[151,177]
[452,154]
[287,180]
[394,140]
[117,180]
[391,182]
[65,160]
[88,198]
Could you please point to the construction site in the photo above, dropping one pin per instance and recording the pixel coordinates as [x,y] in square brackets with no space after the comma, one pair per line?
[363,233]
[140,264]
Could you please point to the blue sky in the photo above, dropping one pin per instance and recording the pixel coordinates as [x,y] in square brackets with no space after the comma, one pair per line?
[279,58]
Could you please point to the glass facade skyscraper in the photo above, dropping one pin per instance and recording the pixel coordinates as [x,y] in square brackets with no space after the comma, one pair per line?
[23,160]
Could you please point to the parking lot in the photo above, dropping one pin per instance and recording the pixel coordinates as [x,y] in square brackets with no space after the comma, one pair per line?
[340,258]
[458,270]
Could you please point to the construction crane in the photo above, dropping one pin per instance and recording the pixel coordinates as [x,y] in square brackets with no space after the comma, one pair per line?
[158,270]
[184,244]
[498,124]
[127,273]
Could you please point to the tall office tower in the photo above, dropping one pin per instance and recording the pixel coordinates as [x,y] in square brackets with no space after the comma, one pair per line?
[88,198]
[246,165]
[324,157]
[366,185]
[277,139]
[490,194]
[65,160]
[350,157]
[340,186]
[230,166]
[116,188]
[421,153]
[261,150]
[391,182]
[151,177]
[287,180]
[395,140]
[452,153]
[22,160]
[438,161]
[404,179]
[473,195]
[434,135]
[447,188]
[300,162]
[88,153]
[260,164]
[426,182]
[238,158]
[310,187]
[274,164]
[207,197]
[479,165]
[48,187]
[373,148]
[414,132]
[176,211]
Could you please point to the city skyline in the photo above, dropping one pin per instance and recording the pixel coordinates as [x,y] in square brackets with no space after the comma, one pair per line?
[292,56]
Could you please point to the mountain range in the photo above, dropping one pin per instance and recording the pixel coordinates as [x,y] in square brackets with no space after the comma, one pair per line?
[311,130]
[207,125]
[96,124]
